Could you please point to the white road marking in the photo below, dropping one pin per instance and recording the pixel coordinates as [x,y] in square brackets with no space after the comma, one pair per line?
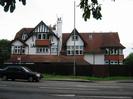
[107,97]
[45,87]
[64,95]
[3,85]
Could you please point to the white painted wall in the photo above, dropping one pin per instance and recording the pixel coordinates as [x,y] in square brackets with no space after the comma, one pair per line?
[70,42]
[32,49]
[30,42]
[16,43]
[54,42]
[94,58]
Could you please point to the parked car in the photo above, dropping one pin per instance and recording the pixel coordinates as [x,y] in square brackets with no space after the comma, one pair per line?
[19,72]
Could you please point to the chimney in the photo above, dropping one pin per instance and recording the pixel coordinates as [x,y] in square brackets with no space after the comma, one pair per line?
[59,27]
[59,33]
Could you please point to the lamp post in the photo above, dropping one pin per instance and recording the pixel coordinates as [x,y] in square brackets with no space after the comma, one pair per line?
[74,61]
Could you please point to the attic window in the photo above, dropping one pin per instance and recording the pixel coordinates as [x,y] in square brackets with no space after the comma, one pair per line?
[24,36]
[74,37]
[90,36]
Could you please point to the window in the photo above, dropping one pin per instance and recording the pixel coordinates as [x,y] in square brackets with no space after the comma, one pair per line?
[107,51]
[106,61]
[78,50]
[42,36]
[113,51]
[39,36]
[42,50]
[111,62]
[90,36]
[22,50]
[19,50]
[120,52]
[54,49]
[24,36]
[74,37]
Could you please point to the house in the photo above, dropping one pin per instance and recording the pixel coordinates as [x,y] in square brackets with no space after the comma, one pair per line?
[47,44]
[97,48]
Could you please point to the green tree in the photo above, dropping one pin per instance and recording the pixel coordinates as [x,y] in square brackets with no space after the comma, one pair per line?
[10,4]
[4,50]
[89,7]
[129,59]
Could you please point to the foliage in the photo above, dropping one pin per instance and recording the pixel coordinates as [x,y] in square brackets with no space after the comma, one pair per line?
[89,7]
[129,59]
[10,4]
[4,50]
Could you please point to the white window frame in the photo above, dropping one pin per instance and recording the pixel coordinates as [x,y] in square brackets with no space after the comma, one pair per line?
[54,49]
[24,36]
[19,50]
[78,50]
[43,36]
[75,37]
[42,50]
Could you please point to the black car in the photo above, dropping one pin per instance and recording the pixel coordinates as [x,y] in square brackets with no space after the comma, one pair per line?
[19,72]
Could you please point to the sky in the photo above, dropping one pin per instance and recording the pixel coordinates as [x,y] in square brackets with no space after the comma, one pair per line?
[117,17]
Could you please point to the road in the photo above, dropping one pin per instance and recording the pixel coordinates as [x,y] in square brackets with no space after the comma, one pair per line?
[65,90]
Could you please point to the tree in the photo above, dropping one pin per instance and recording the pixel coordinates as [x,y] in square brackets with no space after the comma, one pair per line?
[4,50]
[129,59]
[89,7]
[10,4]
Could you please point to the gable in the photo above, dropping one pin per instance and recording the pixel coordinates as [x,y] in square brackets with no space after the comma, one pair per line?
[18,42]
[42,27]
[78,40]
[70,36]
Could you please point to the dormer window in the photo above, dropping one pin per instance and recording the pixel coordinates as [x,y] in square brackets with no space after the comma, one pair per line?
[90,36]
[24,36]
[74,37]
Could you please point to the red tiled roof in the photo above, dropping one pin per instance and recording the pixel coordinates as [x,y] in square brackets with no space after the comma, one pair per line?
[96,41]
[42,42]
[48,58]
[23,30]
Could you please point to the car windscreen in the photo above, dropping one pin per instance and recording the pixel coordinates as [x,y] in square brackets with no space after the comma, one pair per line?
[26,69]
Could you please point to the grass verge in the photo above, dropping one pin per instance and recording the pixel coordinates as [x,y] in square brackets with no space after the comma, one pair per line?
[70,77]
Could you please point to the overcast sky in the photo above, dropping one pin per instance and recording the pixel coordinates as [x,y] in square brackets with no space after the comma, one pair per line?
[117,17]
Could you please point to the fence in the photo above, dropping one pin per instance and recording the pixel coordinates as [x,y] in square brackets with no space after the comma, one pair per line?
[83,70]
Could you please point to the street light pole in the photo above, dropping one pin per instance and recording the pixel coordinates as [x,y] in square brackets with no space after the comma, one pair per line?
[74,62]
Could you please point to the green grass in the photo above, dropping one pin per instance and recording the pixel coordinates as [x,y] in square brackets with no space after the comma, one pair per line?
[70,77]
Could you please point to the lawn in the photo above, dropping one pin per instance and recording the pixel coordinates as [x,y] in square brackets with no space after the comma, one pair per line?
[70,77]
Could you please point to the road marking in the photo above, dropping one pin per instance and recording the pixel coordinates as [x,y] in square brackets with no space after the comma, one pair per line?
[107,97]
[43,87]
[64,95]
[3,85]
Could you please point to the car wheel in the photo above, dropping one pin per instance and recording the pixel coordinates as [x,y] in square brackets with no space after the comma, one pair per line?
[37,80]
[4,78]
[13,79]
[30,79]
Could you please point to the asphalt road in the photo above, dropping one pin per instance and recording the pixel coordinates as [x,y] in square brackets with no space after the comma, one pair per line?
[65,90]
